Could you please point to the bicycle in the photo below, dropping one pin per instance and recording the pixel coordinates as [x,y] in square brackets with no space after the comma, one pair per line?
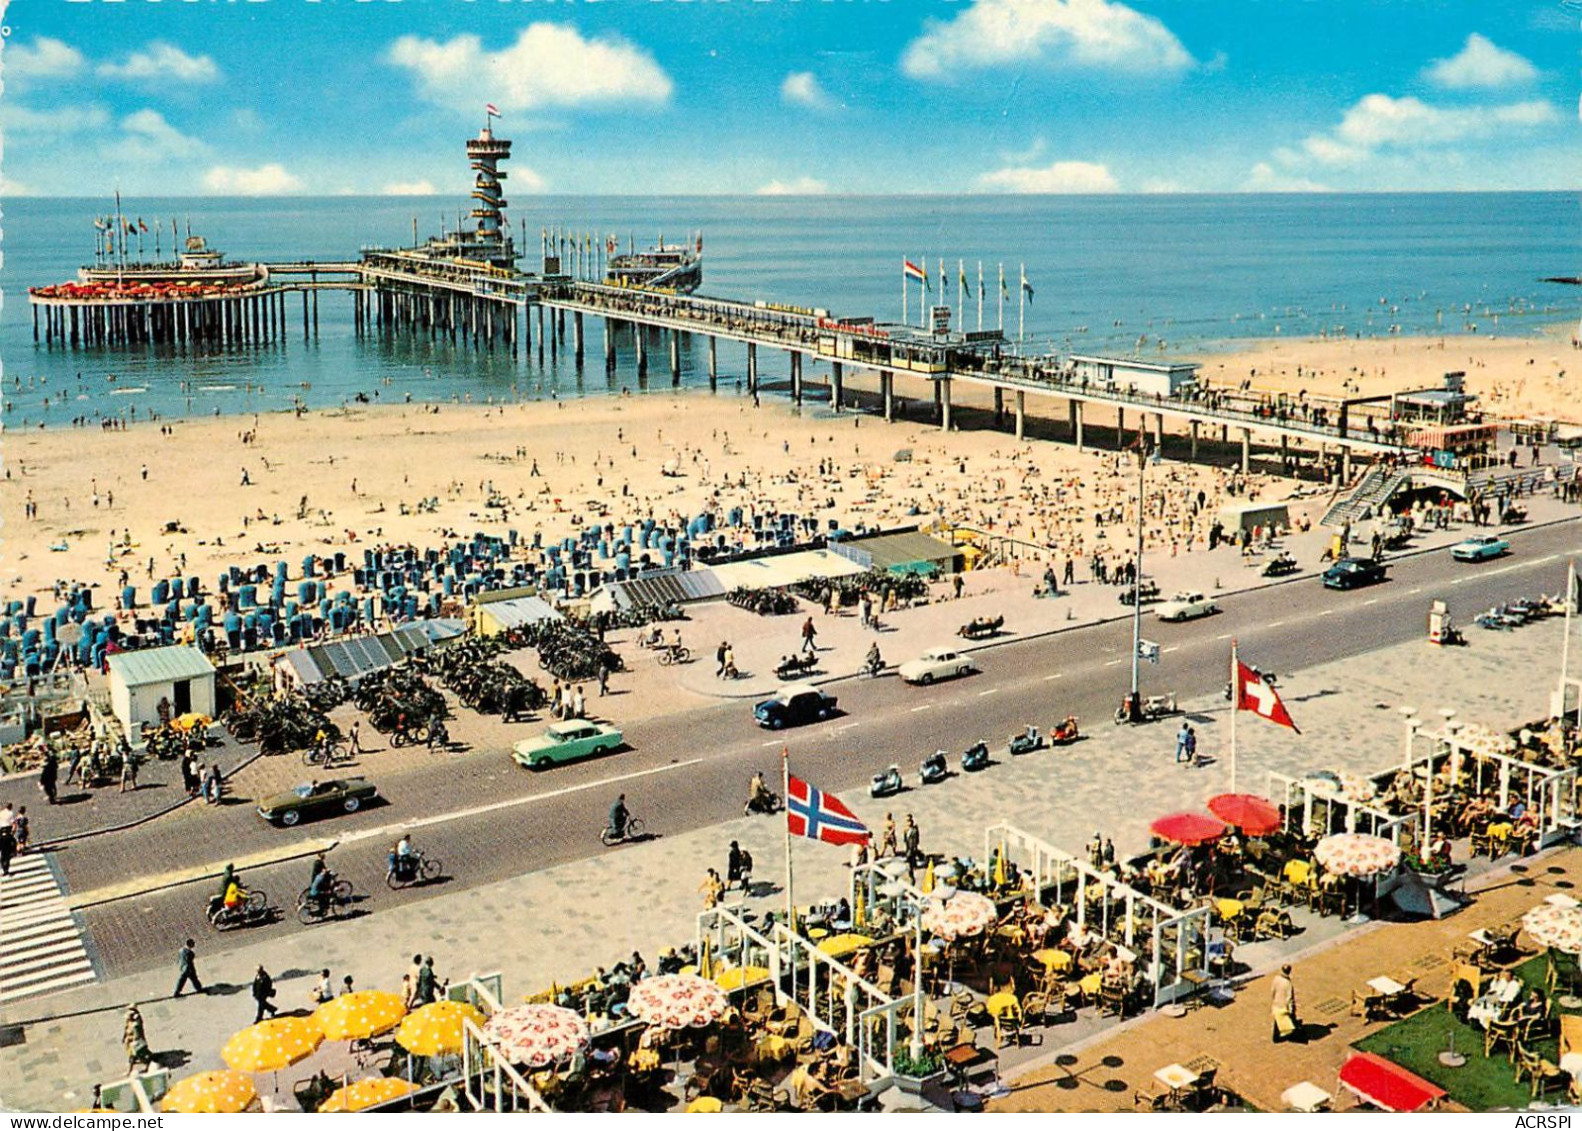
[328,756]
[422,870]
[309,909]
[634,831]
[416,735]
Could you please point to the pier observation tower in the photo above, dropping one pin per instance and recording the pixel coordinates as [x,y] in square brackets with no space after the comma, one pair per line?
[486,152]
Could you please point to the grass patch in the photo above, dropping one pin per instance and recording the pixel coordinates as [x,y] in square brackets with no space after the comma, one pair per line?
[1482,1084]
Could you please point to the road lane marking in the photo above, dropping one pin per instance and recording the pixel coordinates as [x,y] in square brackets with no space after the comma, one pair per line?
[771,742]
[991,691]
[924,707]
[1112,663]
[1457,580]
[1371,601]
[1327,613]
[1057,675]
[1274,624]
[1223,636]
[1414,592]
[1172,648]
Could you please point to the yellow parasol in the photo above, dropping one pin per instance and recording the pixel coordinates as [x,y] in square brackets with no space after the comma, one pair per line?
[272,1045]
[367,1093]
[436,1029]
[739,977]
[210,1093]
[189,720]
[357,1016]
[837,946]
[928,878]
[1000,878]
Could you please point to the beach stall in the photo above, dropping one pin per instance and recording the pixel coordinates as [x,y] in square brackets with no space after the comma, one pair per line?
[1151,378]
[902,551]
[1239,517]
[180,676]
[505,609]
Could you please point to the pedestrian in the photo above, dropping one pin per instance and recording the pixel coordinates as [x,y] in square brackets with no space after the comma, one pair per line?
[323,990]
[135,1041]
[7,846]
[808,635]
[190,778]
[425,988]
[957,583]
[355,744]
[733,865]
[1182,736]
[604,677]
[887,842]
[554,701]
[578,704]
[1283,1006]
[1069,576]
[1191,745]
[263,991]
[187,969]
[212,784]
[1109,853]
[713,889]
[719,660]
[912,838]
[49,775]
[730,662]
[22,830]
[346,986]
[128,770]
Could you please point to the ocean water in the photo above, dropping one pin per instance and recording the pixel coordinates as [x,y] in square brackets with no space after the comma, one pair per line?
[1151,275]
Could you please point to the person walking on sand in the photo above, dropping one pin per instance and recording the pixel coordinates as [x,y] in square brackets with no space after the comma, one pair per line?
[719,660]
[1191,745]
[187,969]
[355,744]
[713,890]
[809,632]
[1283,1006]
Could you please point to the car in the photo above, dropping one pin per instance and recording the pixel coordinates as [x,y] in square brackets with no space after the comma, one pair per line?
[1185,606]
[792,706]
[1480,547]
[566,742]
[315,798]
[936,663]
[1350,573]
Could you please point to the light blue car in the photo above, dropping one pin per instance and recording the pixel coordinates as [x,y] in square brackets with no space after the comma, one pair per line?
[566,742]
[1479,548]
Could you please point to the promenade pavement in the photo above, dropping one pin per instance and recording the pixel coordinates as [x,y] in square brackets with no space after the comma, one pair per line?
[558,923]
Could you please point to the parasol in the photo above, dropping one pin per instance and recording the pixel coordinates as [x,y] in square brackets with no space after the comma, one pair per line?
[1188,828]
[436,1028]
[677,1001]
[537,1035]
[272,1045]
[373,1091]
[1556,927]
[1357,854]
[962,913]
[360,1015]
[209,1093]
[1253,815]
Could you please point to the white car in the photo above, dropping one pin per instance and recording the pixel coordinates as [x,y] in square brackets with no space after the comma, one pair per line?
[1185,606]
[936,663]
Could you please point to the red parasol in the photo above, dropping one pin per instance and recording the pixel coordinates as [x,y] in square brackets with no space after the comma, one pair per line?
[1188,828]
[1253,815]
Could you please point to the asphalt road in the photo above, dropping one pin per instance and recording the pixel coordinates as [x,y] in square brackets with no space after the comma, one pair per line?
[489,820]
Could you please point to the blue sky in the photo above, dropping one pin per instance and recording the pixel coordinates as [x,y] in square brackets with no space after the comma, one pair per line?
[814,96]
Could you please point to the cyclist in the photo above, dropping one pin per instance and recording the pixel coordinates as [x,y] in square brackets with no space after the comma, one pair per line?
[619,816]
[402,858]
[321,887]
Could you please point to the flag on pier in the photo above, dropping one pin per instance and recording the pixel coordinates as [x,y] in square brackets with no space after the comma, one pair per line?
[1026,286]
[1003,292]
[913,271]
[1254,693]
[961,275]
[491,110]
[812,813]
[141,227]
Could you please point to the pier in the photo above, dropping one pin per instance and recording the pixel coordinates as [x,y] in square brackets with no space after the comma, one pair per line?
[466,287]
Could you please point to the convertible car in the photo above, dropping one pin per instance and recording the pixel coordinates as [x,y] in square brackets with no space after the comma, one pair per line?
[316,798]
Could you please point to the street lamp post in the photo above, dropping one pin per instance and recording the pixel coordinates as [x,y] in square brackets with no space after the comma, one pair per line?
[1134,706]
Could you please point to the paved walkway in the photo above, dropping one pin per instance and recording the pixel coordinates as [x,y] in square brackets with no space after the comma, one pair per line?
[558,923]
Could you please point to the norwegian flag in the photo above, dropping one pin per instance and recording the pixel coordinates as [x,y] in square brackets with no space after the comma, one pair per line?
[817,815]
[1254,694]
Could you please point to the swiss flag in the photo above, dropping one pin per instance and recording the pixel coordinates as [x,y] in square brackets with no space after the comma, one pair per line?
[1253,694]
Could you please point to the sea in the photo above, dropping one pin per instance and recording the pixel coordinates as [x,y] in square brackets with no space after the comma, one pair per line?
[1152,276]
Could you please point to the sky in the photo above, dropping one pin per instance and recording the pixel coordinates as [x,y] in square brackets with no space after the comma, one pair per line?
[330,97]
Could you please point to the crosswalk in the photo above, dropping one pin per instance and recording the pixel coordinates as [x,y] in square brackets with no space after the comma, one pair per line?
[41,943]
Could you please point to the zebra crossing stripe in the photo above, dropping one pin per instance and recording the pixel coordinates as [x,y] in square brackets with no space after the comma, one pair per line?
[41,943]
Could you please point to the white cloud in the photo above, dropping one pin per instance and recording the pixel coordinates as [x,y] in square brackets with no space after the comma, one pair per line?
[9,187]
[802,88]
[1379,120]
[799,186]
[1265,178]
[1094,33]
[18,119]
[1480,64]
[162,61]
[409,188]
[266,180]
[1062,176]
[549,65]
[42,58]
[524,178]
[144,137]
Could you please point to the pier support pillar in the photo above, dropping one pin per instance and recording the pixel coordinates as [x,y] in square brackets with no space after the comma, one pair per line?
[999,406]
[714,362]
[1021,414]
[1076,422]
[541,330]
[943,385]
[576,336]
[642,349]
[1285,452]
[837,394]
[1120,427]
[609,346]
[1246,450]
[1345,464]
[304,316]
[752,367]
[887,391]
[1194,439]
[1224,433]
[1159,431]
[796,377]
[675,357]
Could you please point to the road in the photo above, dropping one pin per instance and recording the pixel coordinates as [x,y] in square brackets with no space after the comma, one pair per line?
[488,820]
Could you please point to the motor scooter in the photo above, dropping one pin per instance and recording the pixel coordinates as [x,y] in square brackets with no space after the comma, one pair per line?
[1026,741]
[886,783]
[1151,708]
[975,757]
[935,768]
[1065,732]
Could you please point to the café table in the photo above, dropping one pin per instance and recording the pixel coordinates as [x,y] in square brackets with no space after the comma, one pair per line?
[1306,1096]
[1175,1077]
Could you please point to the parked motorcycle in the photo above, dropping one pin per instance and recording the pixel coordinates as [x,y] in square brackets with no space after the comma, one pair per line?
[1496,618]
[768,803]
[1151,708]
[935,768]
[1065,732]
[886,783]
[1026,741]
[975,757]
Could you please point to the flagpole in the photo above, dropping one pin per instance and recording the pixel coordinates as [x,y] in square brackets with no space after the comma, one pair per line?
[1235,709]
[1001,301]
[906,291]
[1565,643]
[785,792]
[922,302]
[980,296]
[961,282]
[1021,305]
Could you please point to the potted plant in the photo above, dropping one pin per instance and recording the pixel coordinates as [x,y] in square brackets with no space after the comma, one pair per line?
[914,1073]
[1430,869]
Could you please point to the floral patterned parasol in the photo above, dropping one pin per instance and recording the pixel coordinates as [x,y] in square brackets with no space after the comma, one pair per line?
[1357,854]
[1557,927]
[677,1001]
[538,1035]
[963,913]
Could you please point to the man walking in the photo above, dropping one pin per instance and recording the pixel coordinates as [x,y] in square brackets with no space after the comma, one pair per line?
[355,744]
[1283,1006]
[913,840]
[263,991]
[49,776]
[1182,737]
[808,634]
[887,845]
[187,969]
[7,838]
[719,660]
[1191,745]
[425,988]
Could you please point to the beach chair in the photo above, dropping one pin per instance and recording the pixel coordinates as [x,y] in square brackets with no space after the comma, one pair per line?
[1570,1033]
[1501,1032]
[1368,1006]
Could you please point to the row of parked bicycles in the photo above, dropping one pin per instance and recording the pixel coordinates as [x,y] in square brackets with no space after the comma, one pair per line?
[1525,610]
